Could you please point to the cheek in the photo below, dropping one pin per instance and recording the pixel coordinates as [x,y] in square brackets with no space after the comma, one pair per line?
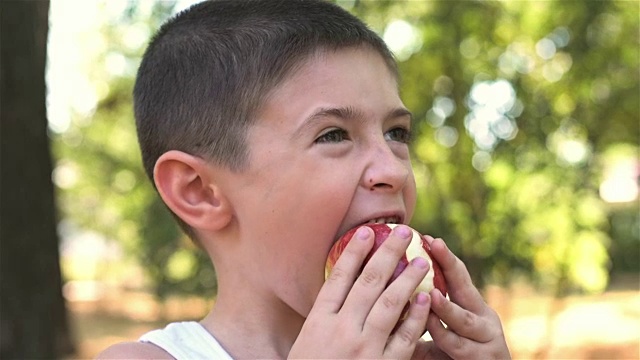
[409,195]
[315,221]
[319,197]
[302,217]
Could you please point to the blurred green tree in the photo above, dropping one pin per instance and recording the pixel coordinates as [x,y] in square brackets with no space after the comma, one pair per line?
[103,186]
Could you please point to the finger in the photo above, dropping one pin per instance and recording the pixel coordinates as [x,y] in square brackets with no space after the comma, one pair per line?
[459,285]
[463,322]
[429,239]
[388,308]
[448,341]
[402,343]
[376,274]
[343,274]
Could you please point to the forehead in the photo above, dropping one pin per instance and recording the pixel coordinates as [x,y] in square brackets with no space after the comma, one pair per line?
[355,77]
[325,61]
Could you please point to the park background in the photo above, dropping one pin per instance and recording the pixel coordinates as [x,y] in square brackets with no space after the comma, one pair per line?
[526,158]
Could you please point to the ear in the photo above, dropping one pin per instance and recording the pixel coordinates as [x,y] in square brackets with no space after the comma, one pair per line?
[187,185]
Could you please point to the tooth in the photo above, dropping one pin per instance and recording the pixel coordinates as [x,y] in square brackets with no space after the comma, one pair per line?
[384,220]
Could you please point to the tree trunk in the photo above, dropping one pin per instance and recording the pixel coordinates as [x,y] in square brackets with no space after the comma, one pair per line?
[33,322]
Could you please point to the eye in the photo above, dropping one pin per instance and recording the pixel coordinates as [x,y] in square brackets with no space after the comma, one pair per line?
[334,135]
[399,134]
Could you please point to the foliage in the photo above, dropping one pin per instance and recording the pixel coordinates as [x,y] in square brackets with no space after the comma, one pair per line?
[103,186]
[515,104]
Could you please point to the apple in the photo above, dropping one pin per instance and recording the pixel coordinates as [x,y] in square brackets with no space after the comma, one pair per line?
[418,247]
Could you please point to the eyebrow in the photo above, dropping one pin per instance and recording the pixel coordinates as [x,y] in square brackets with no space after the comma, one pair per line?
[349,113]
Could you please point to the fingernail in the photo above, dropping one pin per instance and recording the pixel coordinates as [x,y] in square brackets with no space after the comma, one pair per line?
[421,263]
[362,233]
[404,232]
[422,298]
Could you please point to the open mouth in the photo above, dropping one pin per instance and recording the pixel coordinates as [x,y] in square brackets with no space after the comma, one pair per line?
[385,220]
[388,219]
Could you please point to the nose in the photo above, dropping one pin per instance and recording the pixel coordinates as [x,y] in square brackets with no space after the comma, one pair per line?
[385,171]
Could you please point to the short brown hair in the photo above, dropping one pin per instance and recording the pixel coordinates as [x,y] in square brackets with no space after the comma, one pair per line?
[208,70]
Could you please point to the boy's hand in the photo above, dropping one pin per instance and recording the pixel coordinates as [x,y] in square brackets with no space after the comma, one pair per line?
[354,316]
[474,330]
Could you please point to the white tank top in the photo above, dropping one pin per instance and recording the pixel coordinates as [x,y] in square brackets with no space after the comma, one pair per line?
[186,340]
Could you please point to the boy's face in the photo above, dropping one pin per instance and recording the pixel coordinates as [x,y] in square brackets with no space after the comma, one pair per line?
[327,153]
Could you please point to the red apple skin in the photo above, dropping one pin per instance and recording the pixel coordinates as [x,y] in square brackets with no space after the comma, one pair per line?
[381,232]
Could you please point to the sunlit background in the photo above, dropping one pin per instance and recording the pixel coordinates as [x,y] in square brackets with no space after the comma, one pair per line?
[526,158]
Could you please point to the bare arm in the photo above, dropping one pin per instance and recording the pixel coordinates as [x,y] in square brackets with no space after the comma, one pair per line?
[133,350]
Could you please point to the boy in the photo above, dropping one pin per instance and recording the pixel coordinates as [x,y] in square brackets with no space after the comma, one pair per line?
[270,128]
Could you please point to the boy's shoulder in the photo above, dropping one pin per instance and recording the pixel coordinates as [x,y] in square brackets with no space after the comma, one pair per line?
[133,350]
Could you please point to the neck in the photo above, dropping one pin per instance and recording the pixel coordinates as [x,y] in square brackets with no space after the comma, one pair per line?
[246,329]
[247,319]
